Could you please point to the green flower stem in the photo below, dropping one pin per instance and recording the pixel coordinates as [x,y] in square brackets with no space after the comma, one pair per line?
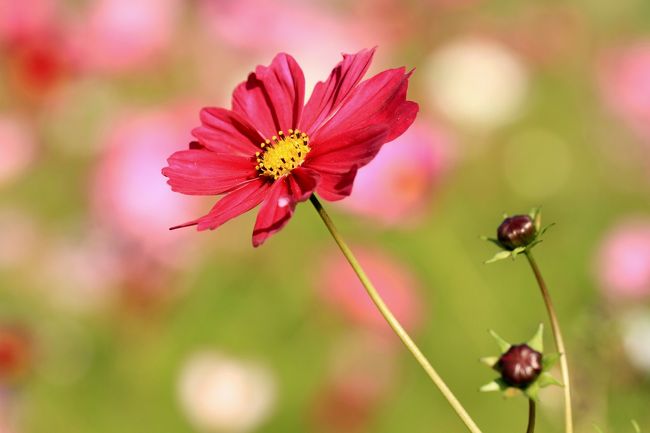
[559,341]
[393,322]
[531,416]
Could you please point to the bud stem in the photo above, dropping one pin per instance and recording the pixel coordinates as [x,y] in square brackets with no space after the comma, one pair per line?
[393,322]
[559,341]
[531,416]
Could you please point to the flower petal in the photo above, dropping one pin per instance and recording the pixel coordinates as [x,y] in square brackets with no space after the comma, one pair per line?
[338,159]
[339,153]
[225,131]
[202,172]
[231,205]
[380,100]
[273,96]
[275,213]
[336,186]
[303,182]
[328,95]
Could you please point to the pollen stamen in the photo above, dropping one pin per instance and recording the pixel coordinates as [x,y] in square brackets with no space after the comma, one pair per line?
[282,153]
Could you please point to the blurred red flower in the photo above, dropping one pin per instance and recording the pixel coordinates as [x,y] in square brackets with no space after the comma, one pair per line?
[15,352]
[274,150]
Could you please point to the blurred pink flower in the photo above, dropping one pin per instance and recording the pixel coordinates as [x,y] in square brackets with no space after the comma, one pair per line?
[36,47]
[396,187]
[44,45]
[623,261]
[23,18]
[17,147]
[363,372]
[624,78]
[128,195]
[121,35]
[261,28]
[340,288]
[38,65]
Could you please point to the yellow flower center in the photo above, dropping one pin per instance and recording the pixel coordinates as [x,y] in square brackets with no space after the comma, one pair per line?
[282,153]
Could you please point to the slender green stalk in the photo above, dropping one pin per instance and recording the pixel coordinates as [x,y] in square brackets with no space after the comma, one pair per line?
[559,342]
[393,322]
[531,416]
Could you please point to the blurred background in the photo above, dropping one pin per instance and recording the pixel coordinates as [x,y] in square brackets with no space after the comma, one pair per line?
[111,323]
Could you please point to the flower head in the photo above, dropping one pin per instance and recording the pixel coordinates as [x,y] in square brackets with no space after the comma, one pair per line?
[518,234]
[273,150]
[520,365]
[523,368]
[516,231]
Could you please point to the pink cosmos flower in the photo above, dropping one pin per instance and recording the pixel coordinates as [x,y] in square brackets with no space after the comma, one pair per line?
[623,261]
[22,18]
[122,35]
[36,47]
[396,186]
[127,182]
[625,85]
[273,150]
[339,287]
[246,31]
[258,27]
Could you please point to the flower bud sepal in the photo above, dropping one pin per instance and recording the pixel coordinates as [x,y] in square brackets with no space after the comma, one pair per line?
[517,234]
[524,368]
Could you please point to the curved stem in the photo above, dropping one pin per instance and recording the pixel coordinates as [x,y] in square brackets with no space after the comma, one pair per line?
[531,416]
[559,342]
[393,322]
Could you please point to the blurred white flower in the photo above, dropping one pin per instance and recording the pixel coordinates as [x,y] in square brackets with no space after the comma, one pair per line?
[221,394]
[477,83]
[636,339]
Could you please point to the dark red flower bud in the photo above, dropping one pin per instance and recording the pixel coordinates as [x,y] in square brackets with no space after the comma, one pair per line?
[520,366]
[516,231]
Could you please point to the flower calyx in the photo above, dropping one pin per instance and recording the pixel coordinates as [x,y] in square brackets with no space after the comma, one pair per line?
[517,234]
[523,368]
